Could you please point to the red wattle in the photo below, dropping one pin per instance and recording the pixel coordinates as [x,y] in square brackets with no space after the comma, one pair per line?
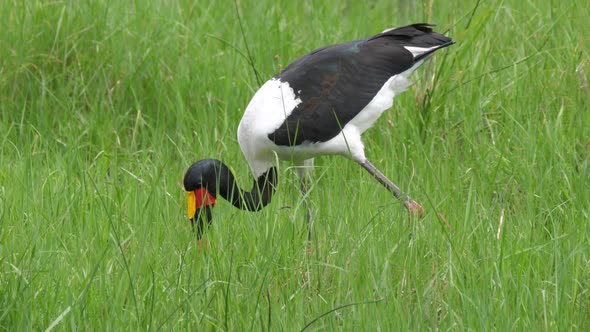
[203,198]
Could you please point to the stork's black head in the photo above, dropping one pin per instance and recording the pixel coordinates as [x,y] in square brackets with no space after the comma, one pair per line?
[201,184]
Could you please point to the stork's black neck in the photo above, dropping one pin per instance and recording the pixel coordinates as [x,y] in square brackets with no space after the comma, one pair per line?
[255,199]
[217,178]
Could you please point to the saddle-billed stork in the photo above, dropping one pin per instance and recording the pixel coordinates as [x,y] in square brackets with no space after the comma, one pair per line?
[318,105]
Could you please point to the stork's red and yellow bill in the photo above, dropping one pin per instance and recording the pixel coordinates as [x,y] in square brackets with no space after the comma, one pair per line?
[198,199]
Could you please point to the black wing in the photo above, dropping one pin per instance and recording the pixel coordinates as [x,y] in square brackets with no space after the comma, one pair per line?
[336,82]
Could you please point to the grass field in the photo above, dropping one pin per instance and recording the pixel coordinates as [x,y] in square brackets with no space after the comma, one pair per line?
[104,104]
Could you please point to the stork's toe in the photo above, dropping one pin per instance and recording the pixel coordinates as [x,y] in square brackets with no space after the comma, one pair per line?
[415,209]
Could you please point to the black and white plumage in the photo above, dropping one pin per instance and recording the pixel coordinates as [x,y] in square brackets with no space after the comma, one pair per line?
[318,105]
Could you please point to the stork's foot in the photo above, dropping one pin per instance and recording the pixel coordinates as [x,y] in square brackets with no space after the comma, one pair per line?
[416,210]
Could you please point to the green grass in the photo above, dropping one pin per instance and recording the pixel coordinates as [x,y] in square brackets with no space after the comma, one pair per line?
[104,104]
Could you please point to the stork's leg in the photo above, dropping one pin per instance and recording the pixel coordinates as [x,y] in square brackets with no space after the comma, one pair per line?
[304,192]
[304,171]
[412,206]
